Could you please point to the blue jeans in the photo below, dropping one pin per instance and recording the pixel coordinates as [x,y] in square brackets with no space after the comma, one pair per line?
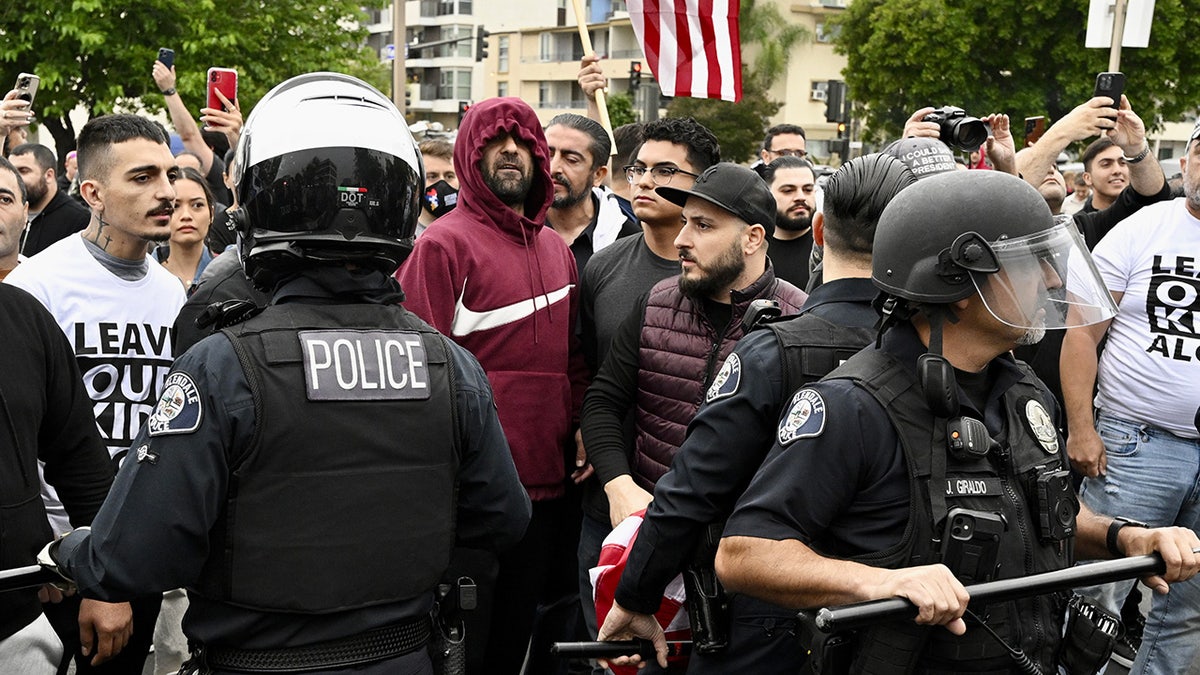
[1153,476]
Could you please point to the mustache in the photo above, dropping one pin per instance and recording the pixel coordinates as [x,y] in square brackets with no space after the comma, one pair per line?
[164,209]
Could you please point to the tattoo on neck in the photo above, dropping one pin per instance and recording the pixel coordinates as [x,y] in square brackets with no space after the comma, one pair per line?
[100,235]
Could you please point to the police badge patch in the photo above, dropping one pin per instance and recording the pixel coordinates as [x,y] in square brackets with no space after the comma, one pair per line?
[727,380]
[805,417]
[1041,426]
[178,410]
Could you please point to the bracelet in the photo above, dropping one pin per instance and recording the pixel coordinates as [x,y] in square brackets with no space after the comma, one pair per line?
[1138,157]
[168,92]
[1114,528]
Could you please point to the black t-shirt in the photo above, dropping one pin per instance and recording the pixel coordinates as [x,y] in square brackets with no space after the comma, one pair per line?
[790,258]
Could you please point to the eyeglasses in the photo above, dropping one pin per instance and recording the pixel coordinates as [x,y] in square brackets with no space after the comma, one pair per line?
[661,175]
[789,153]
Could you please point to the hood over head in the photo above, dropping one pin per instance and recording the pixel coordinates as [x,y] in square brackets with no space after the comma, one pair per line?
[483,123]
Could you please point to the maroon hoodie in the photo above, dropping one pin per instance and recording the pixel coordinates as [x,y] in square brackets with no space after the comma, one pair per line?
[505,287]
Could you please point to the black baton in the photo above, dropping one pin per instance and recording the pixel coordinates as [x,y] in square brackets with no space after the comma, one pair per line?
[610,650]
[844,617]
[30,576]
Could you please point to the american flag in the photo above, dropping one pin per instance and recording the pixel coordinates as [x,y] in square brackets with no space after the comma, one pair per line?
[692,46]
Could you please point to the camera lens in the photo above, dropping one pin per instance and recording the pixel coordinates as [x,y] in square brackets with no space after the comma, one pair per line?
[968,133]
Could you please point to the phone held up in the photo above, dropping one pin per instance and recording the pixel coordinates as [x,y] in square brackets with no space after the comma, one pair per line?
[1034,128]
[27,86]
[225,81]
[166,57]
[1111,85]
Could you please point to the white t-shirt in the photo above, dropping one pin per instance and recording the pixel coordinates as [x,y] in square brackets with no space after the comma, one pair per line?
[1150,368]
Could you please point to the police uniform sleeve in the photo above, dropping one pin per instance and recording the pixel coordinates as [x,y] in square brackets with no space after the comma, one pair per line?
[726,442]
[832,443]
[152,532]
[493,508]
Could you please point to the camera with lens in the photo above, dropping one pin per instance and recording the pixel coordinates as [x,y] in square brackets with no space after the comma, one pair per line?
[1057,505]
[958,130]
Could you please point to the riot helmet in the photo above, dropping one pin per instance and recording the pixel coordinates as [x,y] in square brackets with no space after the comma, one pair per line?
[347,190]
[966,232]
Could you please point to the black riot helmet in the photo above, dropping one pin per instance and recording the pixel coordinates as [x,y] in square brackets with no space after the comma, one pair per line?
[964,232]
[326,172]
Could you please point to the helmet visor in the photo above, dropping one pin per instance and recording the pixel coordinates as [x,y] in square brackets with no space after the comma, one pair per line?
[1045,281]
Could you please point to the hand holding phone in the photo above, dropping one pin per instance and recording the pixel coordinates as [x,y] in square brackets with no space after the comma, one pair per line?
[167,57]
[1112,85]
[225,81]
[27,86]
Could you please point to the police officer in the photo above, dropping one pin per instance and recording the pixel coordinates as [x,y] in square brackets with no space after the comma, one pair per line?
[880,469]
[307,471]
[734,428]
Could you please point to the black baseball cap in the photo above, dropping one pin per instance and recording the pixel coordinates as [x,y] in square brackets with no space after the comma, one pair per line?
[1195,132]
[735,188]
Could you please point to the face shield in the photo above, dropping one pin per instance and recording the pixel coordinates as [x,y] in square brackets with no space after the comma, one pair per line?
[1045,281]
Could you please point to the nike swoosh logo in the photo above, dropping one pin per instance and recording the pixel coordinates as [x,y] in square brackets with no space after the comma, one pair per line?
[467,321]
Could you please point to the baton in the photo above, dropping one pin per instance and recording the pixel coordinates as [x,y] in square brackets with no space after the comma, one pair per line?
[609,650]
[30,576]
[836,619]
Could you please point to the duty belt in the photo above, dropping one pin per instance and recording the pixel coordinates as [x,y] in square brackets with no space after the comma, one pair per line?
[369,647]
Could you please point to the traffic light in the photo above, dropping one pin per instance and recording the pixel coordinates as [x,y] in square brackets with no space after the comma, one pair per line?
[635,74]
[481,37]
[841,129]
[463,107]
[835,101]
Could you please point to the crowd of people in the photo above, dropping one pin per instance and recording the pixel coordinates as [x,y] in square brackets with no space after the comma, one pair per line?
[361,396]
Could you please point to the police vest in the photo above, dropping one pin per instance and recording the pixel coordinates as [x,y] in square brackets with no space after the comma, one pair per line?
[345,496]
[1004,482]
[811,347]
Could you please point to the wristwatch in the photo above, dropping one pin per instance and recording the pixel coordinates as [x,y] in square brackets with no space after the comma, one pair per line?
[168,92]
[1138,157]
[1114,528]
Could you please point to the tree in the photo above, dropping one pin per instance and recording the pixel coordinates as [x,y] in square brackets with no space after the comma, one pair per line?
[620,110]
[740,126]
[98,53]
[1020,58]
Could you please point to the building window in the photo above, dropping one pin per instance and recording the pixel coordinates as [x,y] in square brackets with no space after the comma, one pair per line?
[546,47]
[454,83]
[502,88]
[827,33]
[502,54]
[465,37]
[543,94]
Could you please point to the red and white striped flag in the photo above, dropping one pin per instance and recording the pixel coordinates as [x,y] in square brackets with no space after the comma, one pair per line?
[692,46]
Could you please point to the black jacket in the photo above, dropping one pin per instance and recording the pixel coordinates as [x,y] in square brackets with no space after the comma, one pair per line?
[62,216]
[45,414]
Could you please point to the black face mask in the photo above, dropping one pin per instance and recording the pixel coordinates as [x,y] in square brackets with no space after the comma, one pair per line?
[439,199]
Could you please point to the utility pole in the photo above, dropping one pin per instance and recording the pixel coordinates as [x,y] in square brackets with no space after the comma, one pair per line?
[399,79]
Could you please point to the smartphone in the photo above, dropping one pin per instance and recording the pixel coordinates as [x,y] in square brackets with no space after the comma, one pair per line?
[1034,128]
[27,85]
[1111,85]
[225,80]
[166,56]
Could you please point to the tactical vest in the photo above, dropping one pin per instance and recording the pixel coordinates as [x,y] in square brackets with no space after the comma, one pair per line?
[679,353]
[345,497]
[811,347]
[1005,482]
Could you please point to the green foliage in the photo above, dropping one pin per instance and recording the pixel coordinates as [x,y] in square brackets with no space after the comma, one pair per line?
[620,110]
[99,53]
[740,126]
[1019,58]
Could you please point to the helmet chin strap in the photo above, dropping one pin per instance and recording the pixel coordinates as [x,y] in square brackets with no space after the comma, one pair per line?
[933,370]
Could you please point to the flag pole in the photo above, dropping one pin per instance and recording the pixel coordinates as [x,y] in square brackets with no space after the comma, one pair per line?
[601,103]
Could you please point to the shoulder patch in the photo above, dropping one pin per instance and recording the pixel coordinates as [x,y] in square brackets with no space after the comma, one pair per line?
[727,380]
[179,410]
[805,417]
[1041,426]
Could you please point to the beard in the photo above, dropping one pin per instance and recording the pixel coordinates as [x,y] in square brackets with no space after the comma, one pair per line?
[35,193]
[510,191]
[799,224]
[1032,336]
[571,198]
[717,276]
